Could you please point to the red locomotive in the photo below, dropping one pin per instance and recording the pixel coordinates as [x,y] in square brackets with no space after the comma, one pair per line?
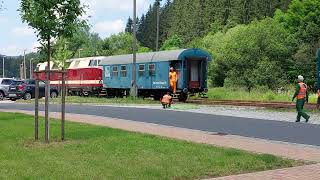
[84,76]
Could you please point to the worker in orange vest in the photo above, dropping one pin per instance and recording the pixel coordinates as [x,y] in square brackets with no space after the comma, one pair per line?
[173,80]
[166,100]
[318,103]
[302,96]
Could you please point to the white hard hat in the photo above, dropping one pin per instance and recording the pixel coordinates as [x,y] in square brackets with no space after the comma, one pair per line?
[300,78]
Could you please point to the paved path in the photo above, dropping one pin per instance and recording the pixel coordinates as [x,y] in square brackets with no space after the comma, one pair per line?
[310,172]
[299,133]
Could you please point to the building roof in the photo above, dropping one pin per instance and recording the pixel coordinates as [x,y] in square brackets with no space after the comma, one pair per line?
[180,54]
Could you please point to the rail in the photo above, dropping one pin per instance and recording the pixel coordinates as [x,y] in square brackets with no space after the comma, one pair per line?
[277,105]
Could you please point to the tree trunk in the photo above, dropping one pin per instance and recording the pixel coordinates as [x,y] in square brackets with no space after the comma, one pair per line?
[47,93]
[63,103]
[36,109]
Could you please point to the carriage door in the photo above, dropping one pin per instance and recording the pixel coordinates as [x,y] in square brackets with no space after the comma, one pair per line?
[194,74]
[177,65]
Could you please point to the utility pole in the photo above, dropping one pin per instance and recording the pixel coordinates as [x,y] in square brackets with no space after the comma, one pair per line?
[80,52]
[134,48]
[3,66]
[24,65]
[31,67]
[158,22]
[21,71]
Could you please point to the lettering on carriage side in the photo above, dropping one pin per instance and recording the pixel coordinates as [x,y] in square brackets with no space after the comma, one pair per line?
[159,83]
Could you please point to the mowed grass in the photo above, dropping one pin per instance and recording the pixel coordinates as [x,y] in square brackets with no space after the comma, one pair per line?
[254,95]
[93,152]
[98,100]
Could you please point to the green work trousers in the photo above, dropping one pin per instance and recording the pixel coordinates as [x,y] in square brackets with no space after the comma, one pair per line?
[299,107]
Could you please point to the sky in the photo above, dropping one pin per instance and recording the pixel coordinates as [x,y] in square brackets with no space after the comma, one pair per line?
[107,17]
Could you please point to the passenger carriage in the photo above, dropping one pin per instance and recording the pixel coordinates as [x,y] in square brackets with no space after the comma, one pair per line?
[153,73]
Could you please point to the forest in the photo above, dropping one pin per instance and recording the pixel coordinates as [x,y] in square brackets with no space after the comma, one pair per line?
[254,43]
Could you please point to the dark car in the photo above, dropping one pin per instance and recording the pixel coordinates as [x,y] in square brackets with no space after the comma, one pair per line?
[26,90]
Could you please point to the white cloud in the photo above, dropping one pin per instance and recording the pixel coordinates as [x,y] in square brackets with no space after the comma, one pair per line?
[23,31]
[115,5]
[10,50]
[107,28]
[16,50]
[3,19]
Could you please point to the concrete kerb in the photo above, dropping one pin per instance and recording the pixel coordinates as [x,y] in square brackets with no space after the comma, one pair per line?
[286,150]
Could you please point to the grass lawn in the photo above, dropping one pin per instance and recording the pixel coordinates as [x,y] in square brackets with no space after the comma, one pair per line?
[93,152]
[254,95]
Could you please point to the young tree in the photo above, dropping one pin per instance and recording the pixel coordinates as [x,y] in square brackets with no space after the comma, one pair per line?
[173,43]
[51,19]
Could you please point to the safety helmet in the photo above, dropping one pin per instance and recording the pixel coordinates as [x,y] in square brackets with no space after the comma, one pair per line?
[300,78]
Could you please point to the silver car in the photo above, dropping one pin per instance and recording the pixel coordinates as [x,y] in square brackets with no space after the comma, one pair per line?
[4,87]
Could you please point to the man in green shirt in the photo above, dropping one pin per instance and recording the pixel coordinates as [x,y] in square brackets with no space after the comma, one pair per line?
[302,96]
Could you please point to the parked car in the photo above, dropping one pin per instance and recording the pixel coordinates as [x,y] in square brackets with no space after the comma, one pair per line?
[26,90]
[4,87]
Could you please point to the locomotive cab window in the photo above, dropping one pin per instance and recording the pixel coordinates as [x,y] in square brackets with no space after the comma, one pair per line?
[152,69]
[115,71]
[93,63]
[123,71]
[141,69]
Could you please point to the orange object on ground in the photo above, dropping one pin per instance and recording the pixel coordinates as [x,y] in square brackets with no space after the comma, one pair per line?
[173,81]
[303,91]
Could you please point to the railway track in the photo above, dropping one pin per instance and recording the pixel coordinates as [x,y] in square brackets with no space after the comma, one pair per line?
[276,105]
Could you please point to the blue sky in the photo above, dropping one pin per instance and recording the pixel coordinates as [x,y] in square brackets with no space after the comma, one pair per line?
[107,17]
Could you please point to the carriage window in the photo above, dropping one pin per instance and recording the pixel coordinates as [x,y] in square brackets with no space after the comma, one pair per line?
[123,71]
[152,69]
[114,71]
[141,69]
[107,72]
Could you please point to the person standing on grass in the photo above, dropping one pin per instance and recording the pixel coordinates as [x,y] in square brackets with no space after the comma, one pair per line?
[302,96]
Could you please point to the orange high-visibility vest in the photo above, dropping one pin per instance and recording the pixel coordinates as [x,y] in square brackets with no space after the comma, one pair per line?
[173,76]
[166,99]
[302,91]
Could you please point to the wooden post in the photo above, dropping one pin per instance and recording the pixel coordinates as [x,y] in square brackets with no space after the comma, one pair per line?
[36,109]
[63,104]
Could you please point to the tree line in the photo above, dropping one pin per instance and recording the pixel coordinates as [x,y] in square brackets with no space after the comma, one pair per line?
[254,43]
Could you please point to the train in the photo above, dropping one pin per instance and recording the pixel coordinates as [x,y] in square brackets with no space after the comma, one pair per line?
[83,77]
[111,76]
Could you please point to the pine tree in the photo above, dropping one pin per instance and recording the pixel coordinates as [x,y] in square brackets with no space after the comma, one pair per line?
[129,26]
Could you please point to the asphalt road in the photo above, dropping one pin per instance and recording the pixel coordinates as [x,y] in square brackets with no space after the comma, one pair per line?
[300,133]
